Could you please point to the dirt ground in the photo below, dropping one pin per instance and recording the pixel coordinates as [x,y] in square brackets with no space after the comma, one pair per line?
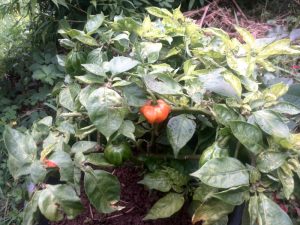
[136,200]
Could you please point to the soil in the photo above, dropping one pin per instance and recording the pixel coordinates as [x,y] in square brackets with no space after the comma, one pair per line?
[135,198]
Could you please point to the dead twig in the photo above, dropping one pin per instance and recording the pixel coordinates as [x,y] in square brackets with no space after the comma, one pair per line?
[239,9]
[217,14]
[91,212]
[204,15]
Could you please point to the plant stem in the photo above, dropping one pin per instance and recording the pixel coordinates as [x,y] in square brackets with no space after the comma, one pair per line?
[154,99]
[72,114]
[152,140]
[164,156]
[98,138]
[237,149]
[191,110]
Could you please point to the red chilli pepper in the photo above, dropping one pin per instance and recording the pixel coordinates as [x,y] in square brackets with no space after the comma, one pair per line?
[49,163]
[156,113]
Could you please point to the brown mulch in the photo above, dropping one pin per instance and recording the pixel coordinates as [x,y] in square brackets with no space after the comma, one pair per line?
[137,201]
[226,14]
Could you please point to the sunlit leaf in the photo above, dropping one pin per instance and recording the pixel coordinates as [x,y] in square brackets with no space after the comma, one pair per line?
[268,161]
[249,135]
[93,23]
[270,213]
[104,107]
[223,173]
[271,123]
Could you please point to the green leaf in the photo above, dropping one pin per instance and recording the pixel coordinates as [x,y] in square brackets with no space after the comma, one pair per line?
[83,146]
[166,206]
[270,213]
[189,67]
[65,164]
[60,2]
[37,172]
[204,192]
[266,64]
[85,93]
[85,39]
[58,200]
[224,172]
[249,84]
[162,84]
[159,12]
[157,180]
[220,83]
[255,175]
[30,213]
[18,168]
[85,131]
[294,165]
[241,65]
[221,34]
[280,47]
[47,74]
[102,189]
[21,146]
[293,95]
[211,212]
[246,35]
[149,51]
[268,161]
[93,23]
[105,111]
[271,123]
[234,81]
[286,108]
[97,159]
[67,98]
[233,196]
[253,209]
[249,135]
[180,130]
[96,56]
[134,95]
[66,127]
[90,79]
[165,179]
[285,176]
[120,64]
[224,114]
[94,69]
[127,129]
[22,151]
[275,91]
[82,37]
[66,43]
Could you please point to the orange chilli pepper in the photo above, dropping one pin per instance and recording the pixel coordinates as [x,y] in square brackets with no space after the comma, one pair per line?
[156,113]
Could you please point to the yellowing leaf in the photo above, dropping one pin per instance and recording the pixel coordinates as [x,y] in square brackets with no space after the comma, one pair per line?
[280,47]
[246,35]
[275,91]
[234,81]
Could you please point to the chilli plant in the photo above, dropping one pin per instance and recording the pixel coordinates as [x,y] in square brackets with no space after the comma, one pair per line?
[187,103]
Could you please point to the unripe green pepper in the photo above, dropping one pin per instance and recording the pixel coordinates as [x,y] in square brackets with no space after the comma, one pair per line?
[117,154]
[74,61]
